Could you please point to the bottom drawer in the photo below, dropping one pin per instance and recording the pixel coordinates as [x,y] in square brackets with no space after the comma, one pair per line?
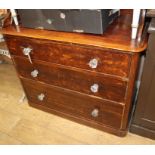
[73,103]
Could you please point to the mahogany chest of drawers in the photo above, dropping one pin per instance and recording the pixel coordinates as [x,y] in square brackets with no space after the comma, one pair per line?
[82,77]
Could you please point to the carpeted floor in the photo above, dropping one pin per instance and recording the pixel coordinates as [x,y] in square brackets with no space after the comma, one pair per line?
[21,124]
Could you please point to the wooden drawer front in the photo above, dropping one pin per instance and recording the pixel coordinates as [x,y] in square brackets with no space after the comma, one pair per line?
[78,80]
[74,103]
[106,61]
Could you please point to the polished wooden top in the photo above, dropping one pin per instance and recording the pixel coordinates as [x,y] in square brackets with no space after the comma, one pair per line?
[117,36]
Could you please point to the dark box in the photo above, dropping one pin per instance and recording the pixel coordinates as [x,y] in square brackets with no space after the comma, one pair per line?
[71,20]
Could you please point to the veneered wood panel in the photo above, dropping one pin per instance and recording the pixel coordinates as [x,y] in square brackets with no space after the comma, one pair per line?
[73,103]
[110,88]
[111,62]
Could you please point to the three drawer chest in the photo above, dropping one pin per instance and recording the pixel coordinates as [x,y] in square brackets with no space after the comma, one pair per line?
[86,78]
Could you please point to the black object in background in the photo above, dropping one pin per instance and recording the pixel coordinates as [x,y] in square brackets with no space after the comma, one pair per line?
[71,20]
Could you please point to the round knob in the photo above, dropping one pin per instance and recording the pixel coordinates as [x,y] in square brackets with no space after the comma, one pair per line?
[93,63]
[27,50]
[41,97]
[94,88]
[95,113]
[34,73]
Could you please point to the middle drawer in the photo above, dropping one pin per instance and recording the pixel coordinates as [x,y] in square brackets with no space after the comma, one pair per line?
[72,78]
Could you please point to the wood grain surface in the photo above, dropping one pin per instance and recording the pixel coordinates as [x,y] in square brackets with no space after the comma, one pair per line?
[109,87]
[74,104]
[111,62]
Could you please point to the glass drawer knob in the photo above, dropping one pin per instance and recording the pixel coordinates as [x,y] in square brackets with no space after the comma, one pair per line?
[34,73]
[93,63]
[94,88]
[41,97]
[95,113]
[27,51]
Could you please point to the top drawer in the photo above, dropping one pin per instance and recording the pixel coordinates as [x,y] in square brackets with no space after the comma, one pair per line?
[99,60]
